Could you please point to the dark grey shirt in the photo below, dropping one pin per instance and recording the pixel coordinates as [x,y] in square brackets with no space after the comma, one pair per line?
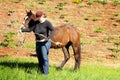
[45,28]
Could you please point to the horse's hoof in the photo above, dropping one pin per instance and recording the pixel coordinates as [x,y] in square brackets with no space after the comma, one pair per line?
[75,70]
[58,68]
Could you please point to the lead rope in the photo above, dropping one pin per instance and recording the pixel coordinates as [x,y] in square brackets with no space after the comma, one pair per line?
[56,43]
[21,38]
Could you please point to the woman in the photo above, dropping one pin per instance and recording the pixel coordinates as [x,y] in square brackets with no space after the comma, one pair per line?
[43,30]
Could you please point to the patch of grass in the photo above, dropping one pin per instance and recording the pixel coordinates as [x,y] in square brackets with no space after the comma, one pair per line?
[116,14]
[32,5]
[115,52]
[66,20]
[90,2]
[42,0]
[88,41]
[95,19]
[99,30]
[117,43]
[108,39]
[62,16]
[29,45]
[114,49]
[60,5]
[102,1]
[86,17]
[26,69]
[116,2]
[13,21]
[77,1]
[15,1]
[1,0]
[11,11]
[8,40]
[51,11]
[81,6]
[118,20]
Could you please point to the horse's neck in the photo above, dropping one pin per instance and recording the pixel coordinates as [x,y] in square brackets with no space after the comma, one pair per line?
[32,23]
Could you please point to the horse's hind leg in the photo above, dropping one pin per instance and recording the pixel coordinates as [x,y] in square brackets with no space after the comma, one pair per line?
[77,56]
[66,56]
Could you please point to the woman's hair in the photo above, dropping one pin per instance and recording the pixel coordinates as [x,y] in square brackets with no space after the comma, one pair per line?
[40,13]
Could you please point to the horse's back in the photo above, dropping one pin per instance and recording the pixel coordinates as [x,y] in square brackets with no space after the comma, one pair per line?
[64,34]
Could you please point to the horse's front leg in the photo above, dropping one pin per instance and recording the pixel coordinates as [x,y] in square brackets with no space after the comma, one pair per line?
[66,57]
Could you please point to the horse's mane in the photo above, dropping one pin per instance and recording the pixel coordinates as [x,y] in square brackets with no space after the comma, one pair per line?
[32,23]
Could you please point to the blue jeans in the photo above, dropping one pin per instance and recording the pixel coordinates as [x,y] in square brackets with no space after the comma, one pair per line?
[42,49]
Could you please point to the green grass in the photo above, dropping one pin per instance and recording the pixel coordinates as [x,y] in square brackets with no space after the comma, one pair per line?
[1,0]
[99,30]
[26,69]
[88,41]
[116,2]
[15,1]
[29,45]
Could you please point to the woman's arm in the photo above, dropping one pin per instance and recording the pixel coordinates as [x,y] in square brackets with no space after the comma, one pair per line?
[52,30]
[28,29]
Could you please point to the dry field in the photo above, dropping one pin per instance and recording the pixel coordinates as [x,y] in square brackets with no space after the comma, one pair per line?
[99,25]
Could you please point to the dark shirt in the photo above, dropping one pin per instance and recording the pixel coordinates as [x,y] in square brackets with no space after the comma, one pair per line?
[45,28]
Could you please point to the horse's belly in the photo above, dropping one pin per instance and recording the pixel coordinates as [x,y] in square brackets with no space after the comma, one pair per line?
[56,46]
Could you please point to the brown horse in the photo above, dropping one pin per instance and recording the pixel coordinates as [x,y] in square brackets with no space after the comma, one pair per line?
[65,34]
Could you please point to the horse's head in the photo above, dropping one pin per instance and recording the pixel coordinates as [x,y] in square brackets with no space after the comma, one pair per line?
[29,16]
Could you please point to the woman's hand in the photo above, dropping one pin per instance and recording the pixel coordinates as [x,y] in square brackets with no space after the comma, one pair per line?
[19,31]
[58,43]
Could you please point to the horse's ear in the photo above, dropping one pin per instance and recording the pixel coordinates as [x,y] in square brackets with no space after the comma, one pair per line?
[30,11]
